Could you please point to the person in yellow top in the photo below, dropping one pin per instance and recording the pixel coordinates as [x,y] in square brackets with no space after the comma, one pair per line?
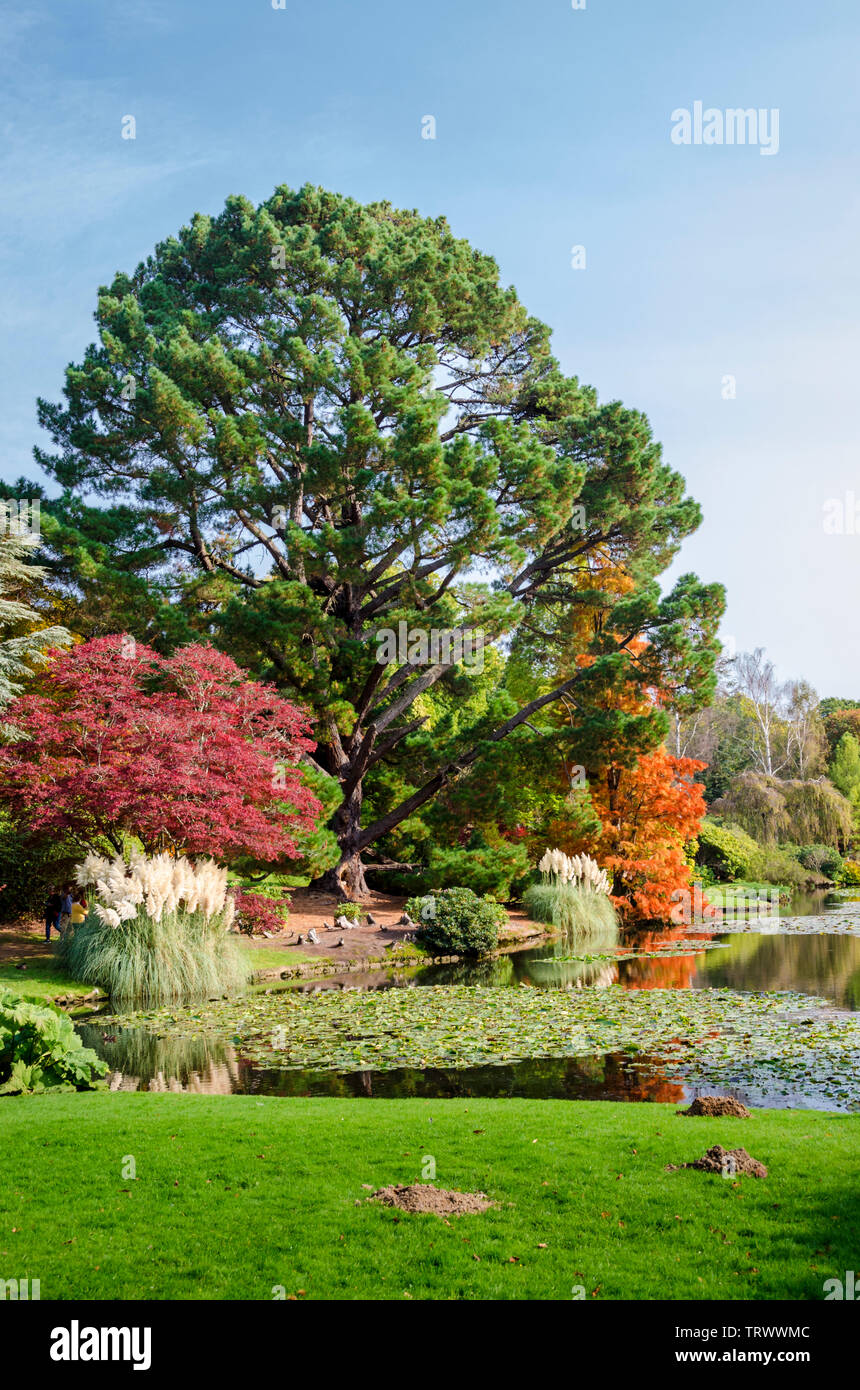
[80,909]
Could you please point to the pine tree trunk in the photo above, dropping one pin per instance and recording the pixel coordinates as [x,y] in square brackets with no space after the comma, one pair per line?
[346,880]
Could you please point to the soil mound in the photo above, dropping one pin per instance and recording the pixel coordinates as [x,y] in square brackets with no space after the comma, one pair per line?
[423,1197]
[717,1105]
[729,1162]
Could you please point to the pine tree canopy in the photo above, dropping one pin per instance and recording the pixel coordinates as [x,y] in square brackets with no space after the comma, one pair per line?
[318,420]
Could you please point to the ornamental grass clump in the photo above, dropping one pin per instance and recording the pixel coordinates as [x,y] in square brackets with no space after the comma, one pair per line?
[573,895]
[157,930]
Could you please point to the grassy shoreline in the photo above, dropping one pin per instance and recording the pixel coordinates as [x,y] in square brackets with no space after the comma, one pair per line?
[235,1196]
[44,977]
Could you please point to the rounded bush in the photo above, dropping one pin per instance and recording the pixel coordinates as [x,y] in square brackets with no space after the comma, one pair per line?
[455,921]
[353,912]
[850,875]
[822,859]
[729,853]
[257,913]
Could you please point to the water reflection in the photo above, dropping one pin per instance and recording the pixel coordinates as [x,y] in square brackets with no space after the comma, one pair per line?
[817,963]
[140,1061]
[828,966]
[206,1066]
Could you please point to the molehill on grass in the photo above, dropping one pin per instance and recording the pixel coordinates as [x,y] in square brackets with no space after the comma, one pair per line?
[717,1105]
[729,1162]
[424,1197]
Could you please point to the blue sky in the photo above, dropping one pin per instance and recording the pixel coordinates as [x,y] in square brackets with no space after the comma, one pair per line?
[552,130]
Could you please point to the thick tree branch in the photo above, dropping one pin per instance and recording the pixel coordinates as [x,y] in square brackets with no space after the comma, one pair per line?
[445,774]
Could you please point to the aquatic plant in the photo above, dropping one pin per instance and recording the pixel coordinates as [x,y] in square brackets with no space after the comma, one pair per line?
[778,1042]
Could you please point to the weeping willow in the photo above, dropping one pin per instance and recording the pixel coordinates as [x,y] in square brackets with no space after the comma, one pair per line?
[776,812]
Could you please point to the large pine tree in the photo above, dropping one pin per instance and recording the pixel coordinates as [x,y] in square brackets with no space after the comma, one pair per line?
[313,421]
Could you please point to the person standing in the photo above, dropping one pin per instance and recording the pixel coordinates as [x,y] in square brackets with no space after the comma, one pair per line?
[53,908]
[80,908]
[65,908]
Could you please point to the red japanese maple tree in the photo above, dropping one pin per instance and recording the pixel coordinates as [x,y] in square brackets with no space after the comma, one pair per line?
[182,752]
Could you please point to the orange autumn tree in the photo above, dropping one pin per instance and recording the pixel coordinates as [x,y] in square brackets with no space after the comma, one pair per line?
[649,808]
[628,802]
[649,813]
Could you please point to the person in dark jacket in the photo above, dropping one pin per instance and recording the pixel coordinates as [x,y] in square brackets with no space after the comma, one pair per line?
[53,908]
[66,901]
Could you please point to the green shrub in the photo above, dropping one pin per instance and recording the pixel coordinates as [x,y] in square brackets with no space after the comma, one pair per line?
[727,852]
[850,875]
[821,859]
[40,1050]
[776,866]
[455,921]
[184,956]
[353,912]
[572,907]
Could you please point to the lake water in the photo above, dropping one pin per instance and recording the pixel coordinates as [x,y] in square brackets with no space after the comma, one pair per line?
[811,950]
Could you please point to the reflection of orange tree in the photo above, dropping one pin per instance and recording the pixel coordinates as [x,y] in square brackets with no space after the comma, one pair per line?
[668,972]
[614,1078]
[674,972]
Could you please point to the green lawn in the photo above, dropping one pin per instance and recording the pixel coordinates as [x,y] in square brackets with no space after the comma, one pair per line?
[236,1195]
[274,957]
[43,978]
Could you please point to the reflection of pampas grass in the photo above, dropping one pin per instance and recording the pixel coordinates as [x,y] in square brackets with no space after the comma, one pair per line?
[139,1053]
[158,930]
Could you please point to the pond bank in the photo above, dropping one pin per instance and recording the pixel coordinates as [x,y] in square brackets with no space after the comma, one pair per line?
[365,947]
